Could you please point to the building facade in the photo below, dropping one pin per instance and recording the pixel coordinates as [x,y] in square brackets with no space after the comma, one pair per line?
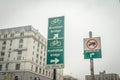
[104,76]
[23,55]
[68,77]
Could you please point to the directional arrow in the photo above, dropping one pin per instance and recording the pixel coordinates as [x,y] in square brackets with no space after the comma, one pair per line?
[55,61]
[92,54]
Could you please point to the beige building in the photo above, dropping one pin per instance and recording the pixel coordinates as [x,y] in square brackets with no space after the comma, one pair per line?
[104,76]
[68,77]
[23,55]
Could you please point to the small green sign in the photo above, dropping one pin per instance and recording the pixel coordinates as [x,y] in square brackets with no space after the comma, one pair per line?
[92,54]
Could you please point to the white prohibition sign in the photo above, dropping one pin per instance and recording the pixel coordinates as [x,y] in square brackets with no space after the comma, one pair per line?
[92,44]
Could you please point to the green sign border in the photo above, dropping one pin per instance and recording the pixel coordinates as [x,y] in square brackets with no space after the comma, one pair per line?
[97,54]
[56,28]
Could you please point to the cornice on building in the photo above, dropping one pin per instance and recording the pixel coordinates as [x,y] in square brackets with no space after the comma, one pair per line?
[36,35]
[17,29]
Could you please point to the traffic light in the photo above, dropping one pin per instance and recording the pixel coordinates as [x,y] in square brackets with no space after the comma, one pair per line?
[16,77]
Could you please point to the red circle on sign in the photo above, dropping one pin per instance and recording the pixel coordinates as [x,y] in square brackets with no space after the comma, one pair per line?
[92,44]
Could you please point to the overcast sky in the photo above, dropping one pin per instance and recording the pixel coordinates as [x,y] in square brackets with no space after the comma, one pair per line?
[102,17]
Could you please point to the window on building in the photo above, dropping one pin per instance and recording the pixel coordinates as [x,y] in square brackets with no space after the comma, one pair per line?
[20,52]
[10,42]
[38,44]
[16,78]
[21,41]
[43,64]
[2,53]
[4,42]
[41,52]
[36,69]
[19,58]
[36,60]
[41,46]
[9,54]
[1,59]
[20,46]
[44,54]
[49,73]
[40,70]
[44,59]
[33,53]
[3,48]
[7,64]
[37,55]
[31,67]
[32,59]
[40,57]
[5,36]
[40,63]
[37,50]
[38,78]
[22,34]
[9,48]
[46,73]
[35,78]
[12,35]
[17,66]
[0,67]
[30,77]
[44,48]
[43,71]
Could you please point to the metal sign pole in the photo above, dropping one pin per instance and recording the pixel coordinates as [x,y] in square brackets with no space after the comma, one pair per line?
[54,74]
[91,61]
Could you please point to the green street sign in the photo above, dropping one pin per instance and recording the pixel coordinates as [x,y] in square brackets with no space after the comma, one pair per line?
[55,58]
[92,54]
[92,48]
[56,27]
[55,43]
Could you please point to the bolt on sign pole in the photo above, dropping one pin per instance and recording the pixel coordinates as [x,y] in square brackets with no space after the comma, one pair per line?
[91,61]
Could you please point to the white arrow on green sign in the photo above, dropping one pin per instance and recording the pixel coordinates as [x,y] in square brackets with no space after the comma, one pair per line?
[54,61]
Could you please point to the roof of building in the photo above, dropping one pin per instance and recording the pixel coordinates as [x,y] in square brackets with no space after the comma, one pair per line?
[16,29]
